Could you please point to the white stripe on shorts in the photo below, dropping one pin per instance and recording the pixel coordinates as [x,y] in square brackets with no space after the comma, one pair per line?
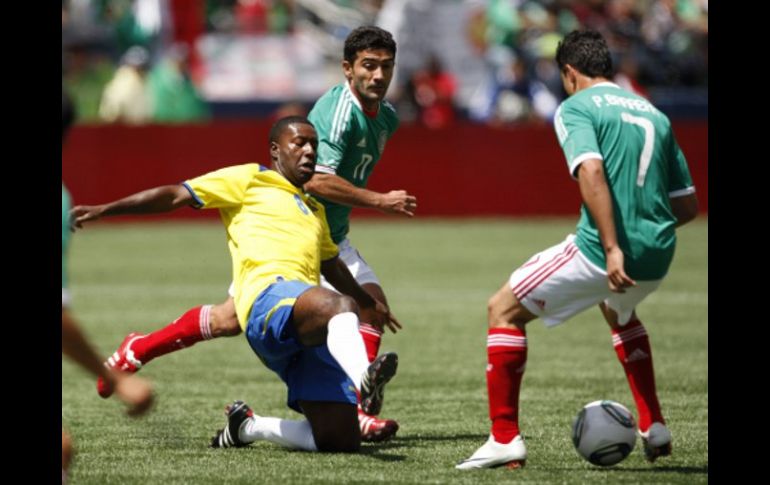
[546,269]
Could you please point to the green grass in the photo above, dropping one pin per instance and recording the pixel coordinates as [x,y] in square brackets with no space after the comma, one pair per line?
[438,276]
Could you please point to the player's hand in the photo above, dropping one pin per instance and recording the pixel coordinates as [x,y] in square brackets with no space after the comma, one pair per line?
[617,279]
[84,213]
[135,392]
[380,316]
[398,202]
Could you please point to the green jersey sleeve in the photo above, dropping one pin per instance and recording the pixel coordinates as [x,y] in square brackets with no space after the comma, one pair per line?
[577,136]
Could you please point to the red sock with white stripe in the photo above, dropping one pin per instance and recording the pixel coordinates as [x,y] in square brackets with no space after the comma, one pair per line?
[187,330]
[507,358]
[372,337]
[633,349]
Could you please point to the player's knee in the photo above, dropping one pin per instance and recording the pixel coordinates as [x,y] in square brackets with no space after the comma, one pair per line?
[495,310]
[344,304]
[223,321]
[335,442]
[504,313]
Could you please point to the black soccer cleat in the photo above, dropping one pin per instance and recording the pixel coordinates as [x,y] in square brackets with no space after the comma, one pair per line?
[380,371]
[237,413]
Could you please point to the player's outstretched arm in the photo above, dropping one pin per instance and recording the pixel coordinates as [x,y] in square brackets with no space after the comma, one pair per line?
[160,199]
[375,312]
[336,189]
[596,196]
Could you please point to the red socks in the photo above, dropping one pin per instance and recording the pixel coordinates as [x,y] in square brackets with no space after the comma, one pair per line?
[633,349]
[185,331]
[507,357]
[372,337]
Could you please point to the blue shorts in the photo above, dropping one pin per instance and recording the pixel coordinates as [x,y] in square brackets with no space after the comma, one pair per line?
[310,373]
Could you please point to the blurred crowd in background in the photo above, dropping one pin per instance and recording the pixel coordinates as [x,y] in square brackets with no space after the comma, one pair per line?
[489,61]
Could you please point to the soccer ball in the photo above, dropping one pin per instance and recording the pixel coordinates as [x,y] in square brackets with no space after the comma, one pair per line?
[604,432]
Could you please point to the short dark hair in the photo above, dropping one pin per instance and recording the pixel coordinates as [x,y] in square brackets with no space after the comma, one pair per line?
[281,124]
[586,51]
[67,113]
[368,37]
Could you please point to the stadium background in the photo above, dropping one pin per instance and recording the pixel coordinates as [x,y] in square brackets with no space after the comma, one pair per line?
[475,88]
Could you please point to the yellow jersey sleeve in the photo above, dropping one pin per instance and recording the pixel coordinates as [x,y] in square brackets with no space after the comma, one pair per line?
[225,187]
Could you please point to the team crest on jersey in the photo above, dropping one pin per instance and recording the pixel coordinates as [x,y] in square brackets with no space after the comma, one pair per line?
[301,205]
[381,140]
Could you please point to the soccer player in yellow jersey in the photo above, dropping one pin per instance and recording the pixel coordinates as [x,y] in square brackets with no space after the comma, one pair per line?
[353,122]
[280,244]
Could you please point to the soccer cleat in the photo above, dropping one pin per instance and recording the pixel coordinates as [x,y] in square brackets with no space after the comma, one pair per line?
[379,372]
[237,414]
[375,430]
[656,442]
[492,454]
[123,359]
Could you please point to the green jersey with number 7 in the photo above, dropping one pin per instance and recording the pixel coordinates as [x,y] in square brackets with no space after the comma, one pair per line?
[643,164]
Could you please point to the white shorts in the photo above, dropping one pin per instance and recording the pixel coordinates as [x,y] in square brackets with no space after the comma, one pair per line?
[361,271]
[561,282]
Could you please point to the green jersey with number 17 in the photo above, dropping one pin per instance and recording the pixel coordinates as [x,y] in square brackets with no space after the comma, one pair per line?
[643,165]
[350,145]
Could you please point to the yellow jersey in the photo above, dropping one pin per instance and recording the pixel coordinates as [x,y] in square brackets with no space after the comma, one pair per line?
[273,229]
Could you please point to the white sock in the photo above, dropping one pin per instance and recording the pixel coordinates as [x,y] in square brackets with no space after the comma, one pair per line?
[291,434]
[347,346]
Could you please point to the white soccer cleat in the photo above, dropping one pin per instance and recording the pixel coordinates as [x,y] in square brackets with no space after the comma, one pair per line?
[492,454]
[656,441]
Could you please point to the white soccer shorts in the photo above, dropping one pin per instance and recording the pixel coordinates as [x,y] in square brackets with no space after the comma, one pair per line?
[561,282]
[362,272]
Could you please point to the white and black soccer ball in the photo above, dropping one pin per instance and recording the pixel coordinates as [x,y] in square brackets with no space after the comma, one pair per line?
[604,432]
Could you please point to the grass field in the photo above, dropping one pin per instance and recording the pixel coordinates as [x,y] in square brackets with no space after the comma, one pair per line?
[438,276]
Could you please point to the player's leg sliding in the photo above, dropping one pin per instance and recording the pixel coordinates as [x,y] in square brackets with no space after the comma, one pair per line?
[379,373]
[507,357]
[244,427]
[373,429]
[632,346]
[348,349]
[137,350]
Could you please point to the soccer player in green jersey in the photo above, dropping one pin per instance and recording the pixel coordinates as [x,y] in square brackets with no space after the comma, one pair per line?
[132,390]
[636,188]
[353,123]
[306,334]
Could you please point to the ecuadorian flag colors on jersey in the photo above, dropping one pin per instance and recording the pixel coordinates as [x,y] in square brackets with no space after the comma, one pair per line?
[273,229]
[644,167]
[350,144]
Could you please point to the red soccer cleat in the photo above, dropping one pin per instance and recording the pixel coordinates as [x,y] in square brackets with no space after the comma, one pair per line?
[374,429]
[123,359]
